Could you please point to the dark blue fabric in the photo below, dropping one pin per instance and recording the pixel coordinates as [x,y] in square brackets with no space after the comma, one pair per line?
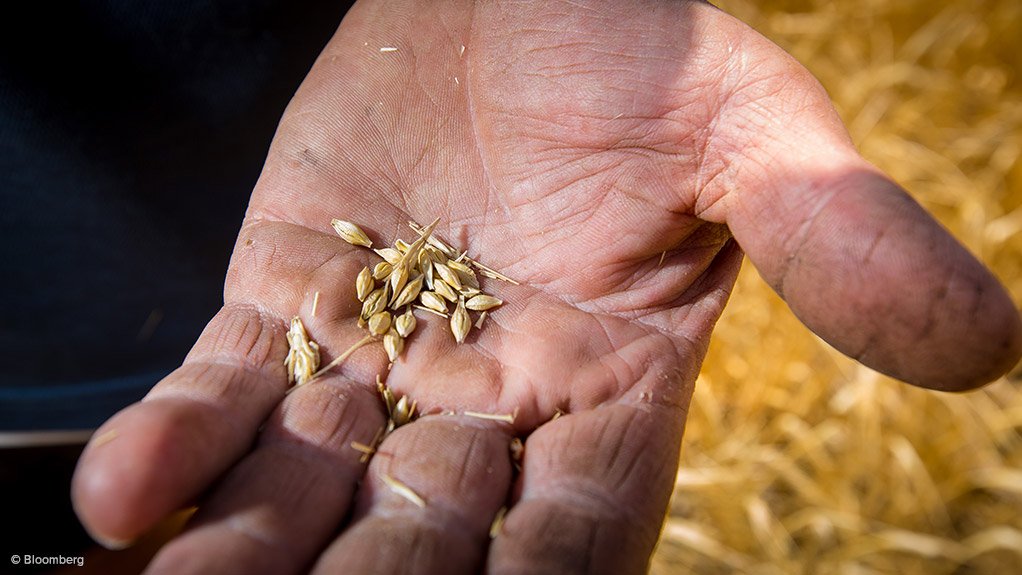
[131,134]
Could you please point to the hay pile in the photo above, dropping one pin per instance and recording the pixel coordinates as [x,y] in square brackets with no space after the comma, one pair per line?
[795,460]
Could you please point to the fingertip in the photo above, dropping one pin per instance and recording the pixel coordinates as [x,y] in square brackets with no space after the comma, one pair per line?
[971,334]
[94,489]
[995,350]
[872,273]
[137,470]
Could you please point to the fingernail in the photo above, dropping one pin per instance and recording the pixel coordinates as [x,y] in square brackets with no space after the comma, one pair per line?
[109,542]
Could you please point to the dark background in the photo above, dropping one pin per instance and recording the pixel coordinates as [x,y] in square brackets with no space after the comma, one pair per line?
[131,134]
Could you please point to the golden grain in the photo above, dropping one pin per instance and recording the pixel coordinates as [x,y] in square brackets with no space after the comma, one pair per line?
[409,293]
[379,323]
[394,344]
[403,412]
[433,301]
[483,302]
[390,255]
[375,302]
[460,322]
[398,279]
[445,290]
[303,354]
[351,233]
[469,292]
[382,270]
[465,274]
[364,284]
[448,275]
[405,323]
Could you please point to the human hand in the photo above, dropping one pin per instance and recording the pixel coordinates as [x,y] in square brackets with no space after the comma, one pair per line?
[577,145]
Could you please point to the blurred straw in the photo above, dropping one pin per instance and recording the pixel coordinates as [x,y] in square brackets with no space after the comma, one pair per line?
[796,460]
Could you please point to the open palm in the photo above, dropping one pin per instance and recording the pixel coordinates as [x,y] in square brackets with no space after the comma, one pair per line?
[601,154]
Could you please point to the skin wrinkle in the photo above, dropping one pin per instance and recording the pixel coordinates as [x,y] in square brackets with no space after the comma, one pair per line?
[310,446]
[578,494]
[937,302]
[442,512]
[462,469]
[801,237]
[224,351]
[874,243]
[633,309]
[472,114]
[201,395]
[322,418]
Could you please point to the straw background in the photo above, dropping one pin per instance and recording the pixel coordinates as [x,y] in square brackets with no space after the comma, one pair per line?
[796,460]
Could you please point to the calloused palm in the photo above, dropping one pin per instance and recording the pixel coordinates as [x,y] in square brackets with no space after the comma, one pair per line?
[569,145]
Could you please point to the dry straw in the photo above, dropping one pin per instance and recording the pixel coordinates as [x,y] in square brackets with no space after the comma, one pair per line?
[797,461]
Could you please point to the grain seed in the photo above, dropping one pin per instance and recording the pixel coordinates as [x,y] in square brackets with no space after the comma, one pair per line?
[465,274]
[394,344]
[433,301]
[408,294]
[448,275]
[303,354]
[427,273]
[379,323]
[351,233]
[405,323]
[398,279]
[403,412]
[364,284]
[445,290]
[482,302]
[382,270]
[460,322]
[469,292]
[375,302]
[391,255]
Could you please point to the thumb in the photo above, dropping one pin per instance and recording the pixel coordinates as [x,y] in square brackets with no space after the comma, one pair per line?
[856,259]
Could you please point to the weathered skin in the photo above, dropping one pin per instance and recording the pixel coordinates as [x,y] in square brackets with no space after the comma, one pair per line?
[568,146]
